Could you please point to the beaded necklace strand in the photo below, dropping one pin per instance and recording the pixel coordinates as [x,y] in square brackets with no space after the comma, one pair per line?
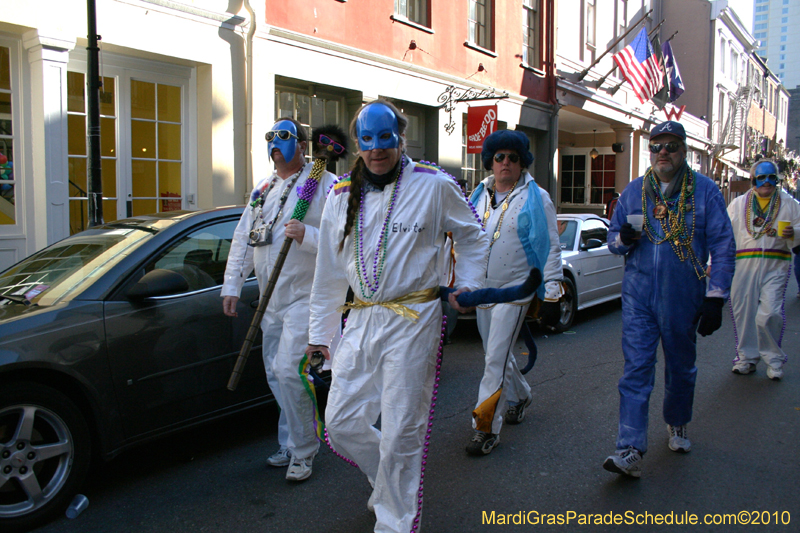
[506,201]
[306,193]
[673,224]
[369,284]
[753,211]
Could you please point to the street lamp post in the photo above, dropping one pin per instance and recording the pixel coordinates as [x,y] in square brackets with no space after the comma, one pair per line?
[95,184]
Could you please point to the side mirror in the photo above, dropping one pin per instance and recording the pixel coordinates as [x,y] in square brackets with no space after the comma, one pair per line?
[158,282]
[592,243]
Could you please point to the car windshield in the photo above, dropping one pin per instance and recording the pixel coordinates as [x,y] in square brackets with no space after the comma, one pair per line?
[64,269]
[566,233]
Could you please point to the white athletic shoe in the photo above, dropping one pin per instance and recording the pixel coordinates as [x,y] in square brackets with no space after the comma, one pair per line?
[625,462]
[774,374]
[280,458]
[743,367]
[678,439]
[300,469]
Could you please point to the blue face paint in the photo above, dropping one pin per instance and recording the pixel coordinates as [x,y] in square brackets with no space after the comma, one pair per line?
[377,127]
[287,145]
[766,172]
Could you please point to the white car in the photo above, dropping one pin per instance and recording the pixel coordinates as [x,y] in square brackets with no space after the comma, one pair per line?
[592,274]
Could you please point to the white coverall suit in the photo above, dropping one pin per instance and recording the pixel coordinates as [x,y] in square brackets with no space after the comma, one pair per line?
[759,283]
[285,322]
[385,364]
[500,324]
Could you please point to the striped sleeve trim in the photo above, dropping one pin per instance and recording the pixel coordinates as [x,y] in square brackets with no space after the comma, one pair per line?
[342,186]
[425,169]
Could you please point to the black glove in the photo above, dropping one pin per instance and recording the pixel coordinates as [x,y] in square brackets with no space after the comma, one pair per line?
[550,313]
[709,316]
[627,234]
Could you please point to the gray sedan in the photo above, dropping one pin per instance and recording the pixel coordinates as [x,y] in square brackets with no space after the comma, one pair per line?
[109,338]
[592,274]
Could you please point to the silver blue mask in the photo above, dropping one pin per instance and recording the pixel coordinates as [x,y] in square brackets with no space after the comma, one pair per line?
[377,127]
[766,172]
[283,136]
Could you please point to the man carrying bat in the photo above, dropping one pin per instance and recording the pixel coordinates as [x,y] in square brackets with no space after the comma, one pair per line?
[266,222]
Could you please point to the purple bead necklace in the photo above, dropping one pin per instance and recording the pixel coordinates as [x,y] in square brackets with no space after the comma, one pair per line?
[369,284]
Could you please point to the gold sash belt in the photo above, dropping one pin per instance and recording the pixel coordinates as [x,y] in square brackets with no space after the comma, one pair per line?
[398,305]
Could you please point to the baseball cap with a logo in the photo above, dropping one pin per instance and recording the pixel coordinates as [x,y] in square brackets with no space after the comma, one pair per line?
[669,127]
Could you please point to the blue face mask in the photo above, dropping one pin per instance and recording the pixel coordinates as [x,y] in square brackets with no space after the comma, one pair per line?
[283,136]
[766,172]
[376,127]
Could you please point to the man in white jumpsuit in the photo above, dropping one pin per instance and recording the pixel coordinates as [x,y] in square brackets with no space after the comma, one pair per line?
[257,240]
[383,234]
[520,219]
[763,261]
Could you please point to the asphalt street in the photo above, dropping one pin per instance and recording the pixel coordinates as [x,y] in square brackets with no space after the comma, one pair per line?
[745,436]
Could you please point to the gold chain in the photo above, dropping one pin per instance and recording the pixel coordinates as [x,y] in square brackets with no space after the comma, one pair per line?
[502,215]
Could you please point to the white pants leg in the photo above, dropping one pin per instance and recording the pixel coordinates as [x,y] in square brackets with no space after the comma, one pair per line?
[757,298]
[271,328]
[296,405]
[499,327]
[385,365]
[770,319]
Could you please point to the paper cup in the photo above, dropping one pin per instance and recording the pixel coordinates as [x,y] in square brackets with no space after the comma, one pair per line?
[636,221]
[782,225]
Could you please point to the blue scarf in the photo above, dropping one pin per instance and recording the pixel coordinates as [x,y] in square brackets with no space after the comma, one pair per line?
[531,228]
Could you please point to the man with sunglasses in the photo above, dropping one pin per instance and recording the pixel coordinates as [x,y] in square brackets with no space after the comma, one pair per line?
[763,258]
[667,294]
[265,223]
[520,219]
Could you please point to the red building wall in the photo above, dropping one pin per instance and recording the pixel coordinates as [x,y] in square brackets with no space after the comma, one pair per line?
[366,25]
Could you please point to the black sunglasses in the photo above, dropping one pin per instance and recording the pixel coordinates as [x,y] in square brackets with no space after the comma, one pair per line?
[514,158]
[671,147]
[331,144]
[283,135]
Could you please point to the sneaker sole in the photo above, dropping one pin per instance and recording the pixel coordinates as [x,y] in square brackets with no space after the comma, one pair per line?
[298,478]
[611,466]
[742,372]
[278,465]
[522,416]
[680,449]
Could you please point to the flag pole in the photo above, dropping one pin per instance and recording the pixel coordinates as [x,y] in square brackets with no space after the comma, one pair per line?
[585,71]
[602,80]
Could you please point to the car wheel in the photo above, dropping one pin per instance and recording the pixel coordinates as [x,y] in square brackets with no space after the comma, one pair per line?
[45,450]
[569,306]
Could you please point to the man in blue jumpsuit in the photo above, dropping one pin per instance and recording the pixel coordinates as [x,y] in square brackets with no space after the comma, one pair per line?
[666,293]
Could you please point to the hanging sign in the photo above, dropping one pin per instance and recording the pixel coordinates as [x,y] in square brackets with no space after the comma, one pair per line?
[481,122]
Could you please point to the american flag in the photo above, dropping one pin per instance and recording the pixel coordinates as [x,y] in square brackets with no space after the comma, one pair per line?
[640,67]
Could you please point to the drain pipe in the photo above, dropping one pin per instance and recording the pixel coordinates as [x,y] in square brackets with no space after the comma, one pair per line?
[249,96]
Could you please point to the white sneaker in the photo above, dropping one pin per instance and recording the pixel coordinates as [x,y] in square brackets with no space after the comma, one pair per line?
[280,458]
[774,373]
[300,469]
[625,462]
[743,367]
[678,439]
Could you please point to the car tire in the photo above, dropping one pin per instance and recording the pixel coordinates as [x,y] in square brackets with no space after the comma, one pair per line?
[569,306]
[45,451]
